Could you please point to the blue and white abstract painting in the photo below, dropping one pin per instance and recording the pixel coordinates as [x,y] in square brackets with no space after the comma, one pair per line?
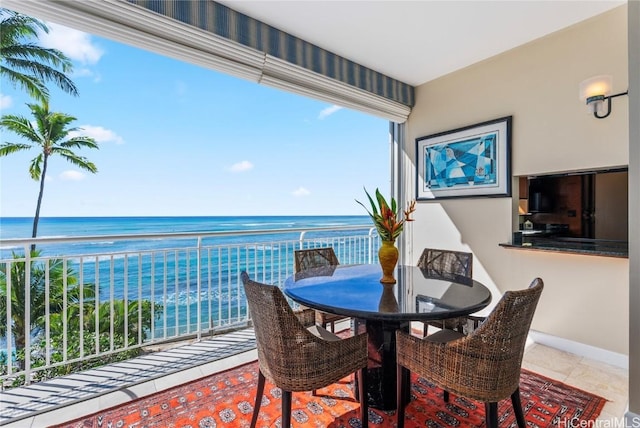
[466,162]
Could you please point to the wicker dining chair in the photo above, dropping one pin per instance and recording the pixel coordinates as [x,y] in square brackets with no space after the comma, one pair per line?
[484,365]
[314,258]
[295,358]
[448,264]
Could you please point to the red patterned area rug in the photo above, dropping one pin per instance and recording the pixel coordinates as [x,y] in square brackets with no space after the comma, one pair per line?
[226,400]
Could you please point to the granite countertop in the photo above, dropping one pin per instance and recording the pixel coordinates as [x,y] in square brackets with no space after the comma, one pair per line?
[596,247]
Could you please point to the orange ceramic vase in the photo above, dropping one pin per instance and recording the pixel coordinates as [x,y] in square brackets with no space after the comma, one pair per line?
[388,256]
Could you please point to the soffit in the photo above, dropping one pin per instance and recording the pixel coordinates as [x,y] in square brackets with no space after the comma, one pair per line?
[418,41]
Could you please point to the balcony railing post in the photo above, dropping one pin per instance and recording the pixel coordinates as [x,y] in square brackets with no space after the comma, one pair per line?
[198,290]
[27,316]
[8,294]
[370,252]
[301,239]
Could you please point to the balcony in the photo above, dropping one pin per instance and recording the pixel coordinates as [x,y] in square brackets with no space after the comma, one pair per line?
[197,322]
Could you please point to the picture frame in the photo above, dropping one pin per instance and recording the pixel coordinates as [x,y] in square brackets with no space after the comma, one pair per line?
[468,162]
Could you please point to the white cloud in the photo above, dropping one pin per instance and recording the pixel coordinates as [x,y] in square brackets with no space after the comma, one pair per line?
[5,101]
[72,175]
[86,72]
[73,43]
[301,191]
[329,111]
[241,166]
[98,133]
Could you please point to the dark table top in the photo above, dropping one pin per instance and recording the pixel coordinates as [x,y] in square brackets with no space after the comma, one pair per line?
[356,291]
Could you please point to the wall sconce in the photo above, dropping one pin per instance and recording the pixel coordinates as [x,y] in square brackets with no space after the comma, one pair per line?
[595,91]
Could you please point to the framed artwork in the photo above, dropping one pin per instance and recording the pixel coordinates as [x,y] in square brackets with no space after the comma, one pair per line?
[473,161]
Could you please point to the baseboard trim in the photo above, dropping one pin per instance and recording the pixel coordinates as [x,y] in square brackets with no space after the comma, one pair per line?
[581,349]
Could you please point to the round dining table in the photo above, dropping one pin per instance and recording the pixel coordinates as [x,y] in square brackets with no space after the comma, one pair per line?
[380,309]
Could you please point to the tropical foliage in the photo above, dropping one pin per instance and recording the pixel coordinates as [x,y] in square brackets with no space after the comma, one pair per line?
[52,136]
[386,217]
[43,299]
[81,327]
[27,65]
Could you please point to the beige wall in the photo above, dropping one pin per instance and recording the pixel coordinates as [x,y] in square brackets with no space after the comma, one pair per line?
[585,297]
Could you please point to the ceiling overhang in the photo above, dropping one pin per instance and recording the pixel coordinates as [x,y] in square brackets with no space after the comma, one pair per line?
[212,35]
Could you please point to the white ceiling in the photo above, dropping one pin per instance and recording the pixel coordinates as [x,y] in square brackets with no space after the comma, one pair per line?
[418,41]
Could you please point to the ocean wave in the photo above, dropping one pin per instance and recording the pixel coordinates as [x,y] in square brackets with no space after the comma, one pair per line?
[10,247]
[259,247]
[184,298]
[267,224]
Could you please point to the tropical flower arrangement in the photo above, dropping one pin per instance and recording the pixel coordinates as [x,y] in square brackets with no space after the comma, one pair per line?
[386,217]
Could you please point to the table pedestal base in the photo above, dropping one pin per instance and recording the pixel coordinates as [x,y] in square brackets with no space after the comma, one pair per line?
[381,369]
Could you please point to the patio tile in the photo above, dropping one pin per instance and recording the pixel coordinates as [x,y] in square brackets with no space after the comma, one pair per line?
[550,362]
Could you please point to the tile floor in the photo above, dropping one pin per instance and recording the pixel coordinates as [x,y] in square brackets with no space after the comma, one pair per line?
[602,379]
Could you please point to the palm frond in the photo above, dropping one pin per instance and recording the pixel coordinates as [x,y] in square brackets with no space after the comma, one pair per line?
[35,167]
[10,148]
[79,161]
[34,87]
[25,63]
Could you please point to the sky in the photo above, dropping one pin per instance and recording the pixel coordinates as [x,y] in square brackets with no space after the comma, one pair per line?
[180,140]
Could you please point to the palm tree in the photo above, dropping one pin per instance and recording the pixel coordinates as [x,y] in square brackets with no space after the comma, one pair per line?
[26,64]
[51,136]
[13,283]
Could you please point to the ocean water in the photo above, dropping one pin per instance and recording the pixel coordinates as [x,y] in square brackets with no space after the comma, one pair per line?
[140,266]
[20,227]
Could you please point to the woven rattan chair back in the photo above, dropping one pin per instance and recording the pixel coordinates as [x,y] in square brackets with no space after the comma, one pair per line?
[493,352]
[290,355]
[486,364]
[446,262]
[314,257]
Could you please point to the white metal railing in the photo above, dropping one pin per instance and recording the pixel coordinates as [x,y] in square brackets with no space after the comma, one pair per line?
[139,290]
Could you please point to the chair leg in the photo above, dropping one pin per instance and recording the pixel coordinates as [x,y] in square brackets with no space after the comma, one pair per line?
[364,398]
[258,403]
[286,409]
[491,415]
[517,408]
[446,396]
[400,396]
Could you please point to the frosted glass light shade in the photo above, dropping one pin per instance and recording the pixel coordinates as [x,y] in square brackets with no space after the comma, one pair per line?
[594,86]
[593,91]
